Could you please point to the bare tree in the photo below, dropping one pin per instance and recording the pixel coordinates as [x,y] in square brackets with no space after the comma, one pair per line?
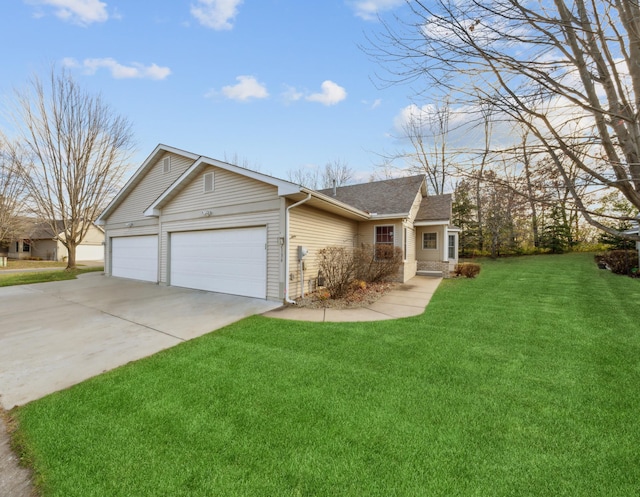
[308,177]
[12,193]
[562,69]
[78,149]
[338,171]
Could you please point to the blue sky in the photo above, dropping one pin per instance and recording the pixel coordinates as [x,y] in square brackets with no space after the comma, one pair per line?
[281,84]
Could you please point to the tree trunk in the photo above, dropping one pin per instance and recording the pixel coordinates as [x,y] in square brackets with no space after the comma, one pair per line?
[71,258]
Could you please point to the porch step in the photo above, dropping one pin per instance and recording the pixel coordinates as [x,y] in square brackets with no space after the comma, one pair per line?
[428,273]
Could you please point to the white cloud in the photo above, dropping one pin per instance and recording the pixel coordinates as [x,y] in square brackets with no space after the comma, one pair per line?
[120,71]
[83,12]
[247,88]
[291,94]
[216,14]
[369,9]
[331,94]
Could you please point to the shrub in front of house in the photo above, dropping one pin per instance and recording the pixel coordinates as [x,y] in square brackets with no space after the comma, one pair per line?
[467,269]
[621,261]
[337,266]
[342,267]
[377,264]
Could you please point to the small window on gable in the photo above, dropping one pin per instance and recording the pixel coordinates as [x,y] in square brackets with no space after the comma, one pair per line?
[166,165]
[429,241]
[208,183]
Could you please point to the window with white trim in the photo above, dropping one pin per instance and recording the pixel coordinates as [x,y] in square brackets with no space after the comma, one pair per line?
[384,241]
[208,182]
[452,246]
[429,241]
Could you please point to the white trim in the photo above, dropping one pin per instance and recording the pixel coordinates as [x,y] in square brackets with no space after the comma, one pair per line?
[431,223]
[429,233]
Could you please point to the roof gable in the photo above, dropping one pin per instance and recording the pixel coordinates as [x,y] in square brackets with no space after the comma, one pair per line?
[284,187]
[391,196]
[139,175]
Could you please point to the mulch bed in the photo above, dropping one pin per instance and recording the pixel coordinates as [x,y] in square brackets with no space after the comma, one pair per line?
[358,297]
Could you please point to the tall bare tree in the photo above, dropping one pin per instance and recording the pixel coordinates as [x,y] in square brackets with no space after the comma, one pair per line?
[78,149]
[562,68]
[12,193]
[336,170]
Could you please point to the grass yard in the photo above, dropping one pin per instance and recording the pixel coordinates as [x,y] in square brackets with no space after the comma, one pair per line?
[522,382]
[27,278]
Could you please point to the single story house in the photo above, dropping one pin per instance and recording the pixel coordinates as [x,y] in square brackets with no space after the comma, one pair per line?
[38,241]
[191,221]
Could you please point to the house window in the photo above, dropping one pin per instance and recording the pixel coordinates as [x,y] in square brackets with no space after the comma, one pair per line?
[208,183]
[452,246]
[26,247]
[166,165]
[429,241]
[384,242]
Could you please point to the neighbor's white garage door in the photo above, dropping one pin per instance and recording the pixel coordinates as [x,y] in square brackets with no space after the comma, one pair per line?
[135,257]
[227,261]
[89,253]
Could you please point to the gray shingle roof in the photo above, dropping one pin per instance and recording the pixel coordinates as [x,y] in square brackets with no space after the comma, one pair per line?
[435,208]
[391,196]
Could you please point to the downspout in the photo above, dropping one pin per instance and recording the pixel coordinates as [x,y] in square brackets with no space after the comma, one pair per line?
[286,248]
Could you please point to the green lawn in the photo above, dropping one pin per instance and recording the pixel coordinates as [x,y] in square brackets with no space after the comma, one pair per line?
[28,278]
[522,382]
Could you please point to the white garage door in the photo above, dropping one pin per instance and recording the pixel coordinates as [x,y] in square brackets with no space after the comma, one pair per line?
[227,261]
[89,253]
[135,257]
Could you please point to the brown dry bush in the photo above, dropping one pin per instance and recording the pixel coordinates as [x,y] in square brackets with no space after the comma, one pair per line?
[467,269]
[338,269]
[377,264]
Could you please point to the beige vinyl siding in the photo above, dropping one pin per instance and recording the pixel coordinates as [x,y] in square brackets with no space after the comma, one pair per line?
[367,231]
[94,236]
[152,185]
[229,189]
[270,219]
[431,254]
[315,230]
[236,202]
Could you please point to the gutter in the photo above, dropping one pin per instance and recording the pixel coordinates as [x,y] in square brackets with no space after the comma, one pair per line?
[286,247]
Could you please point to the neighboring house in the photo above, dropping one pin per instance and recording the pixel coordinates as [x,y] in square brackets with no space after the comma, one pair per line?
[192,221]
[38,241]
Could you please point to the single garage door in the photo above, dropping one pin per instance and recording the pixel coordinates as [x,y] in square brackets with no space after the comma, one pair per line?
[89,253]
[135,257]
[227,261]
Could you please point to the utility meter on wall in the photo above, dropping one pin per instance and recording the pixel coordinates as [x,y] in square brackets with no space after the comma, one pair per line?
[302,251]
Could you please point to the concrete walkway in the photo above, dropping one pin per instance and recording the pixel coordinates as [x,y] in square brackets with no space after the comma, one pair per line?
[408,299]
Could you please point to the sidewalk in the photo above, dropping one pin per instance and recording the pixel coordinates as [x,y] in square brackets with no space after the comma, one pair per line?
[407,299]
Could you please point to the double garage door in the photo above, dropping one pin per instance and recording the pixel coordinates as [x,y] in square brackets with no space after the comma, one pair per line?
[228,261]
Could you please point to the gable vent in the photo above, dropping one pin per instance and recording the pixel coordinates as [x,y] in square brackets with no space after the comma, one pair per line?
[208,182]
[166,165]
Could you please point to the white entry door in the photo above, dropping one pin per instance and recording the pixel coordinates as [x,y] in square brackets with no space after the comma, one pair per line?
[135,257]
[227,261]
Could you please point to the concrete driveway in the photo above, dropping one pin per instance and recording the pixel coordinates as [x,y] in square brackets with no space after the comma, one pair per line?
[54,335]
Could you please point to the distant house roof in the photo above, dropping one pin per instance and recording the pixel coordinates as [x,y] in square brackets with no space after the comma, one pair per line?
[435,208]
[42,231]
[391,196]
